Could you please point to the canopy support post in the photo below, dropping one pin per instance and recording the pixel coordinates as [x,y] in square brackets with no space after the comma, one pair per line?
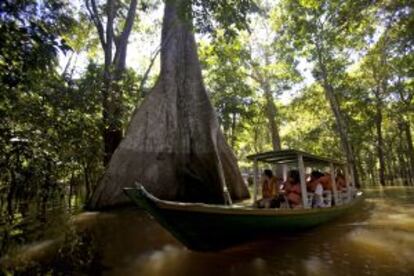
[334,188]
[304,191]
[285,172]
[256,180]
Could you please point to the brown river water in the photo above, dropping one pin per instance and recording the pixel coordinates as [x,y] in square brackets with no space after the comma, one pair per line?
[377,239]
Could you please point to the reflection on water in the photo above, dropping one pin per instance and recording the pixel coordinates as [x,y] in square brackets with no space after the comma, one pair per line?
[376,240]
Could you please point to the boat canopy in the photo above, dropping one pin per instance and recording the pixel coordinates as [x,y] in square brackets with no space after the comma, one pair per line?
[301,160]
[290,156]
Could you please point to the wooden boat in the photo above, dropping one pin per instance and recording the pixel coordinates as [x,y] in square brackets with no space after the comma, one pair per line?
[212,227]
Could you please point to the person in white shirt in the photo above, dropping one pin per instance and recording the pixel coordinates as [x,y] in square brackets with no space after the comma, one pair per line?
[318,197]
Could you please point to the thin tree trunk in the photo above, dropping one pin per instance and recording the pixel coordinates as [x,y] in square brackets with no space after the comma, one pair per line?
[360,168]
[87,182]
[400,153]
[256,139]
[371,170]
[410,148]
[71,181]
[271,117]
[390,163]
[114,68]
[380,142]
[11,194]
[68,63]
[233,131]
[270,108]
[341,125]
[273,127]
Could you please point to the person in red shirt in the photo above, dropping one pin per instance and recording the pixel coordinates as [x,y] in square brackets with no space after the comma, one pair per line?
[340,182]
[292,189]
[318,177]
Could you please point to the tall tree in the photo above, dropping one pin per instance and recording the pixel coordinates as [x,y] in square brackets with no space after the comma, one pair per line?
[222,61]
[174,145]
[323,32]
[399,20]
[31,35]
[378,71]
[114,64]
[271,65]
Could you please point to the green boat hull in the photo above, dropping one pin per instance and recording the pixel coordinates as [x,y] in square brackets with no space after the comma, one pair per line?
[213,227]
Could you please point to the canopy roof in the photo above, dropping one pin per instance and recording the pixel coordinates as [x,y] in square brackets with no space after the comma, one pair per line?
[291,156]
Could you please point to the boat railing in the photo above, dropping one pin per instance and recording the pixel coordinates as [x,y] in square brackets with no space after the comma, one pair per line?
[327,198]
[303,161]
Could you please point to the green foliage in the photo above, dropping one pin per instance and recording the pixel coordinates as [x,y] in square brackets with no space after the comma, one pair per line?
[327,31]
[309,124]
[224,75]
[51,121]
[212,15]
[32,30]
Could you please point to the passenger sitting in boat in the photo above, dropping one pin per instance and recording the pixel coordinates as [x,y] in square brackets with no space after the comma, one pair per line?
[270,187]
[325,180]
[314,186]
[314,181]
[340,182]
[292,189]
[270,190]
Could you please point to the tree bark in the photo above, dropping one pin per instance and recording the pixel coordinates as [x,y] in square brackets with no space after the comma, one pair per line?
[380,140]
[233,130]
[401,160]
[271,117]
[270,108]
[174,145]
[273,127]
[114,67]
[388,155]
[341,124]
[410,149]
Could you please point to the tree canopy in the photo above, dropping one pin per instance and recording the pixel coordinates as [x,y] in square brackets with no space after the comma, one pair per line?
[330,77]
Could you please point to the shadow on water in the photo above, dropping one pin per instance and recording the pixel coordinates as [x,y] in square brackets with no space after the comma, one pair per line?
[378,239]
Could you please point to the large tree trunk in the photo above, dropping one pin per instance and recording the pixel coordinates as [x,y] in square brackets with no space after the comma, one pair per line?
[174,145]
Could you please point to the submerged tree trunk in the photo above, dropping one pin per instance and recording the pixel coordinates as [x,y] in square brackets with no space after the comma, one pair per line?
[174,145]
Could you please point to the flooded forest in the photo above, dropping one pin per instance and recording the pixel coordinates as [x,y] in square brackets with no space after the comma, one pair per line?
[101,95]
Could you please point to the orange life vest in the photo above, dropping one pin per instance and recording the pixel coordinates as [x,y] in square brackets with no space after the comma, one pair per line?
[270,188]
